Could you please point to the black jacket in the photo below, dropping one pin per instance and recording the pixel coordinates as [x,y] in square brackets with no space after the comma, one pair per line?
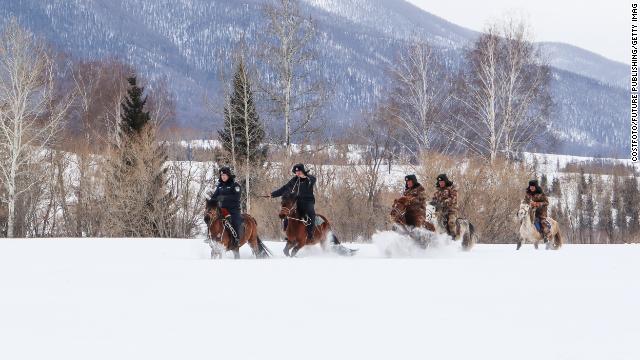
[227,194]
[302,188]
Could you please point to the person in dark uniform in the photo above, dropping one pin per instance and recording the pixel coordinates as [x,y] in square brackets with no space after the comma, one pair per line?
[227,197]
[302,186]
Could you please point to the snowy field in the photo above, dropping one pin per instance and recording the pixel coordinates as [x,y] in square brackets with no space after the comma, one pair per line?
[164,299]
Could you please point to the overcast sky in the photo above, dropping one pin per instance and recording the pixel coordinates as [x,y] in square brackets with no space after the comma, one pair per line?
[600,26]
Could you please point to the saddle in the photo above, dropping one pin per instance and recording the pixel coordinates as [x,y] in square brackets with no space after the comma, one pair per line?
[318,221]
[538,224]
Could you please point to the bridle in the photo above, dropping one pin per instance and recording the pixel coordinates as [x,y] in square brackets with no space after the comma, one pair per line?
[397,212]
[523,212]
[290,212]
[214,215]
[429,214]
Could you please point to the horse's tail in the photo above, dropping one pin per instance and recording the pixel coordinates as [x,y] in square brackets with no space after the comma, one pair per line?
[264,252]
[334,239]
[468,244]
[557,240]
[340,249]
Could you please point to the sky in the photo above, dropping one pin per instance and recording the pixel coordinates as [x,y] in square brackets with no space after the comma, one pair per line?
[599,26]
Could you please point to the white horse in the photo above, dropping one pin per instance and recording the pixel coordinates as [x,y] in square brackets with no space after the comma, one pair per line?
[529,233]
[467,231]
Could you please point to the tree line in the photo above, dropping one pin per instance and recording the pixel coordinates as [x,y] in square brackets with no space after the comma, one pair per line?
[90,148]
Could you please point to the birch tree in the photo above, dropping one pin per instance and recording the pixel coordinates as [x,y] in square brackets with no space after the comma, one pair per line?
[292,85]
[31,113]
[420,94]
[504,97]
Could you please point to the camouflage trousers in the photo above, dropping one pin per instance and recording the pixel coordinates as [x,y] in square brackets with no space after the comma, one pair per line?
[545,225]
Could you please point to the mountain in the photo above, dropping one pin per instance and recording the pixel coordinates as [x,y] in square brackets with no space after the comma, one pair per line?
[584,62]
[188,42]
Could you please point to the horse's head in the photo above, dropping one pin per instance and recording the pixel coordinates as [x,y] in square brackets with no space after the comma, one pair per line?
[287,206]
[398,209]
[430,212]
[523,211]
[214,213]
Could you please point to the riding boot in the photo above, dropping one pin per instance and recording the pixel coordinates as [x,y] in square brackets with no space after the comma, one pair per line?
[239,234]
[310,232]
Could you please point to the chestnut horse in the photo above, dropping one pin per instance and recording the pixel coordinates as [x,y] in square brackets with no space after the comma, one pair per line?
[296,231]
[220,238]
[405,218]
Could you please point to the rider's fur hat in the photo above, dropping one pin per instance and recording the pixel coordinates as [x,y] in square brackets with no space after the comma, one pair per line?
[413,178]
[534,183]
[443,177]
[226,170]
[300,167]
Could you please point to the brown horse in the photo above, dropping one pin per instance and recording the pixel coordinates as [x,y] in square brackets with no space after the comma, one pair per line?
[410,220]
[405,215]
[296,232]
[220,238]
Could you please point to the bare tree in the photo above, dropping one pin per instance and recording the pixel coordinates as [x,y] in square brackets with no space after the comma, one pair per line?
[243,133]
[420,94]
[504,97]
[189,181]
[31,113]
[293,88]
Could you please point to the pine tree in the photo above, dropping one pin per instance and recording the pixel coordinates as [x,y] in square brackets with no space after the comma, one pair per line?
[555,187]
[134,118]
[631,199]
[583,182]
[617,205]
[588,215]
[243,134]
[605,217]
[544,182]
[136,195]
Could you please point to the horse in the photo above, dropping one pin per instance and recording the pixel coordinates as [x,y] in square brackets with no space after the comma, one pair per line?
[466,229]
[220,238]
[296,232]
[405,218]
[529,232]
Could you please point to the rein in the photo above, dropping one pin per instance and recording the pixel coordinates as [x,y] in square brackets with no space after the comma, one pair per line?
[289,217]
[214,214]
[397,213]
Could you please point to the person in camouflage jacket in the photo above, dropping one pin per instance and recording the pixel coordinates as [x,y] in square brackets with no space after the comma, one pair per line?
[417,196]
[536,198]
[445,199]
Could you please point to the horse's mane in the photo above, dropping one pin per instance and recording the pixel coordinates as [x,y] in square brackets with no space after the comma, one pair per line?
[410,212]
[288,197]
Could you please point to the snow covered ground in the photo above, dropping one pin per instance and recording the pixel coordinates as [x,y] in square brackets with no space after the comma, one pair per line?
[164,299]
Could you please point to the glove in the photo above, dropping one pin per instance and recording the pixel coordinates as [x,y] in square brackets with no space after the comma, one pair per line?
[225,213]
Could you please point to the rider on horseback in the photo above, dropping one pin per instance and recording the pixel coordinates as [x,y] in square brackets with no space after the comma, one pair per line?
[302,186]
[445,199]
[417,196]
[535,197]
[227,197]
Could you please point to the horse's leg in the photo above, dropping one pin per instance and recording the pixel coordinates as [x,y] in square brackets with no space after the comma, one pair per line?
[535,243]
[286,249]
[295,250]
[519,244]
